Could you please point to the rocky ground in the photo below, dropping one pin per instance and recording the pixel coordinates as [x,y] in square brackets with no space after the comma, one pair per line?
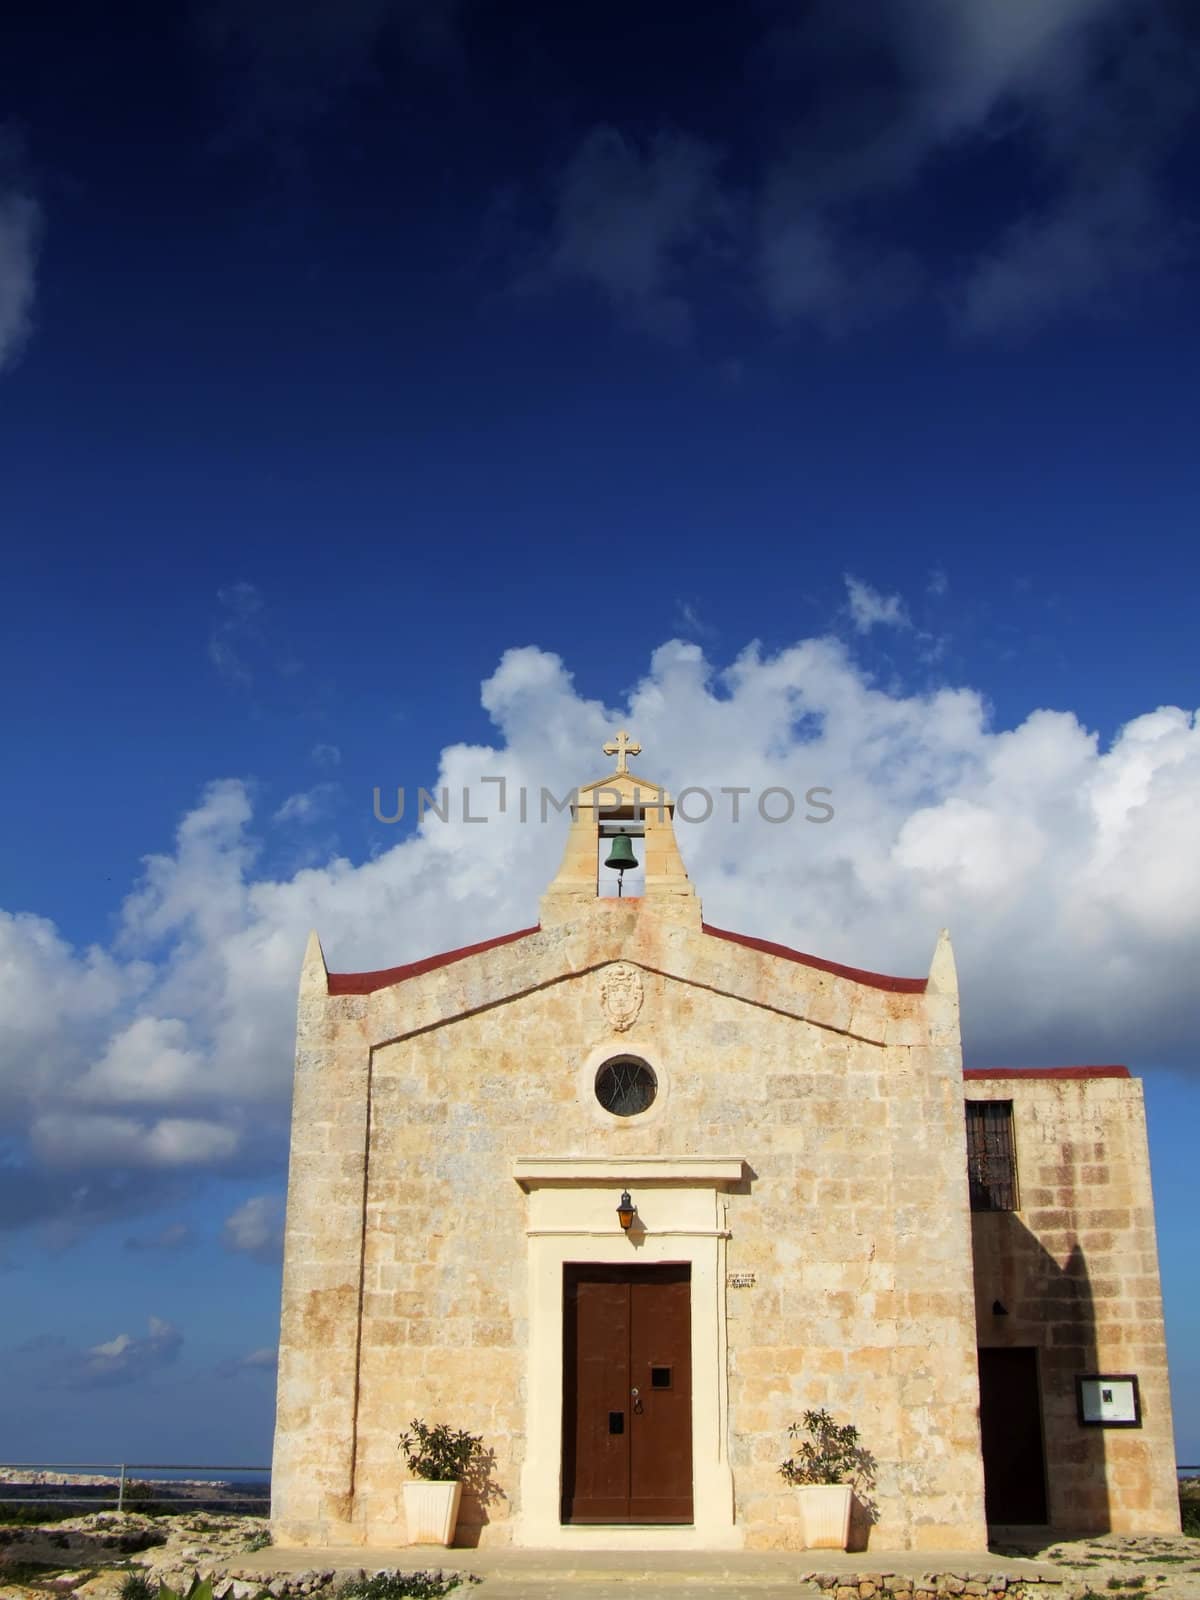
[1120,1564]
[90,1557]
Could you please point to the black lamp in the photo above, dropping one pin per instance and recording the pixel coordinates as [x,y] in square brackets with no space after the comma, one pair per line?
[626,1211]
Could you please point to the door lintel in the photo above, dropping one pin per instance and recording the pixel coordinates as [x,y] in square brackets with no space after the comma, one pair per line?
[715,1172]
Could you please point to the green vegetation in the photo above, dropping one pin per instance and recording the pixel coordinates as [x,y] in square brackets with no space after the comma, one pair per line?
[393,1585]
[201,1589]
[137,1586]
[260,1539]
[440,1454]
[1189,1507]
[830,1454]
[29,1571]
[144,1498]
[40,1514]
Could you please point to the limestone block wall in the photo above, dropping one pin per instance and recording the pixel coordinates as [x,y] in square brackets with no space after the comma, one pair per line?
[844,1100]
[1076,1268]
[312,1471]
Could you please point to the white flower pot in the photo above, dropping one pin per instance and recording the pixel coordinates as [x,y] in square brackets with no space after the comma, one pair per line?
[825,1510]
[431,1510]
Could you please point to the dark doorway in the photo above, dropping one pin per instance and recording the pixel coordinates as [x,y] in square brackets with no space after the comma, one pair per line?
[627,1394]
[1010,1418]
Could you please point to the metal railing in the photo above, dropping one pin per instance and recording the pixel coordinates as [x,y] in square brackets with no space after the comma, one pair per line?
[113,1485]
[124,1486]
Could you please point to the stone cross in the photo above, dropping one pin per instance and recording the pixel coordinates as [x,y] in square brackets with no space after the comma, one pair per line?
[622,749]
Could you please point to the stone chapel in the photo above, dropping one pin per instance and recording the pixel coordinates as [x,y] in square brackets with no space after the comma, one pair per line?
[626,1194]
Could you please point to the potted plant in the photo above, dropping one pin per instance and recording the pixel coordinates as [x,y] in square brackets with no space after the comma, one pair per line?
[827,1468]
[439,1457]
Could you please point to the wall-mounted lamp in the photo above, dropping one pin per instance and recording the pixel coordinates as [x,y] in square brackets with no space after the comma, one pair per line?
[998,1310]
[626,1211]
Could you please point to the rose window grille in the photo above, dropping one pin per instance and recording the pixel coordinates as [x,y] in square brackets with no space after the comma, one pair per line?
[626,1086]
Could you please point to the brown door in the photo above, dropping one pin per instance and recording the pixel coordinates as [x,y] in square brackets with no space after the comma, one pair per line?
[1010,1420]
[627,1394]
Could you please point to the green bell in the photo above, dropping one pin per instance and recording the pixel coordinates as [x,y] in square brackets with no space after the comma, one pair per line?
[621,856]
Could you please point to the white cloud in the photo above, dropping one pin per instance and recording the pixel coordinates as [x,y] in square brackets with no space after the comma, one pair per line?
[20,226]
[236,632]
[1092,95]
[1068,871]
[256,1228]
[175,1236]
[147,1061]
[308,805]
[1079,254]
[809,270]
[871,609]
[121,1360]
[259,1362]
[78,1139]
[1090,98]
[624,214]
[326,755]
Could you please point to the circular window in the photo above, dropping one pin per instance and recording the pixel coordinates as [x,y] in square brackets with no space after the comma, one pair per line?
[626,1085]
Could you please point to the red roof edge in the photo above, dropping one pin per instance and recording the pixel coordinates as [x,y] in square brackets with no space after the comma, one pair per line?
[1045,1072]
[367,982]
[876,980]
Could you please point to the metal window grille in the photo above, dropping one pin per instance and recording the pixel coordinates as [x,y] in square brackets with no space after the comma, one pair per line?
[991,1155]
[625,1086]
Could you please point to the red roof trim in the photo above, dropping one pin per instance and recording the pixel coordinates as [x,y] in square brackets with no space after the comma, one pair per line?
[876,980]
[1045,1072]
[367,982]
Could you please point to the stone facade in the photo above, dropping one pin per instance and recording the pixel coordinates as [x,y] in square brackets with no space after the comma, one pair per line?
[1076,1269]
[804,1155]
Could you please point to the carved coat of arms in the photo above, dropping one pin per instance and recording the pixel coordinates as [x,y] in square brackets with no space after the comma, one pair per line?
[621,995]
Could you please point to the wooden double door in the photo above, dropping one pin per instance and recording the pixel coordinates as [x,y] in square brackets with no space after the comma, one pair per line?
[627,1394]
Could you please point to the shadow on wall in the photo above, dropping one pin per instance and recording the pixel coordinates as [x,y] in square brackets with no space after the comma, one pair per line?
[480,1490]
[864,1514]
[1036,1328]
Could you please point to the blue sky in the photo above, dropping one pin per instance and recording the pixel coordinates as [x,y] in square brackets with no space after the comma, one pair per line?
[397,394]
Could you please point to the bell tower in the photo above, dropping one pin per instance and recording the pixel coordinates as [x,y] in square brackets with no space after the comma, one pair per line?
[633,819]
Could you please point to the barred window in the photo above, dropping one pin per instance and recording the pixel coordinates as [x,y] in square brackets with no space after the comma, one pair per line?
[991,1156]
[626,1085]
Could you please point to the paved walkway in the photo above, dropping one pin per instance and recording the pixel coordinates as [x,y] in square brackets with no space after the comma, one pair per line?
[510,1574]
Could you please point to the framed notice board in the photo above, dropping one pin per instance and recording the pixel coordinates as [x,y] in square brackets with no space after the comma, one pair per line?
[1108,1400]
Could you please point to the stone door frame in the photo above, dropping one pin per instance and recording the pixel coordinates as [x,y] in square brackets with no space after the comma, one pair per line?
[572,1218]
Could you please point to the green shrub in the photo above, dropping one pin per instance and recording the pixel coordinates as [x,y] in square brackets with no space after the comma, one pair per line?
[394,1585]
[200,1589]
[144,1498]
[830,1454]
[137,1586]
[38,1515]
[440,1454]
[260,1539]
[1189,1507]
